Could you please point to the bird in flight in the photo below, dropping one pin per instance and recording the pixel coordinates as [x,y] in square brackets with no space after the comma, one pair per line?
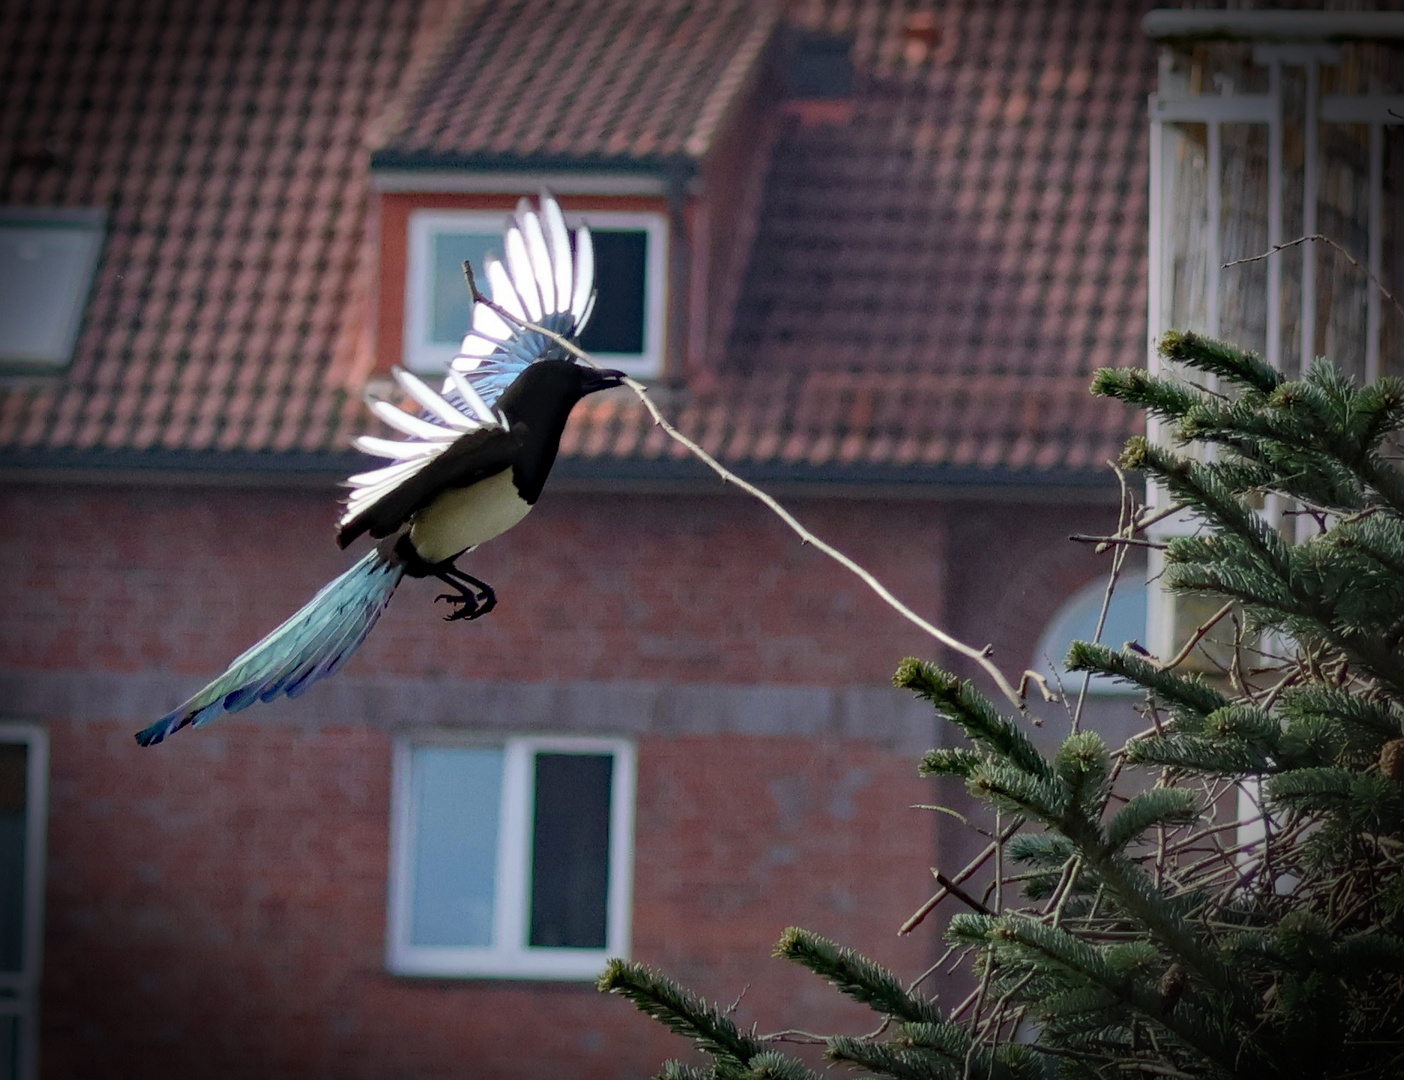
[473,462]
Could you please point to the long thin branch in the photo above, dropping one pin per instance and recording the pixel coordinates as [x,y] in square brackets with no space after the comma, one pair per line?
[980,656]
[1127,514]
[1323,238]
[1105,542]
[960,894]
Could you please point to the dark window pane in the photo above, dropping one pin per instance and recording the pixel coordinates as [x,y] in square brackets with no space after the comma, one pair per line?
[14,761]
[570,850]
[9,1047]
[621,262]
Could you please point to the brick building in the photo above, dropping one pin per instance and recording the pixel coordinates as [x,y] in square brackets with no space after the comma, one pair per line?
[868,255]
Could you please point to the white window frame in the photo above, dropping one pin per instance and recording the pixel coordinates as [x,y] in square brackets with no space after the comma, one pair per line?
[19,991]
[1174,103]
[509,956]
[421,353]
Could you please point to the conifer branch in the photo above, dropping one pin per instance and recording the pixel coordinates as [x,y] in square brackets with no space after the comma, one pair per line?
[856,976]
[683,1012]
[1165,931]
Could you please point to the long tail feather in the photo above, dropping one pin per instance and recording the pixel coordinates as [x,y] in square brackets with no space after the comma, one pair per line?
[309,646]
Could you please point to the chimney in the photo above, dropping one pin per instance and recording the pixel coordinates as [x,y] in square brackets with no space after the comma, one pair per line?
[817,69]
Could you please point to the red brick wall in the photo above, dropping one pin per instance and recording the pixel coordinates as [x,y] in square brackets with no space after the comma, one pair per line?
[216,906]
[602,587]
[220,911]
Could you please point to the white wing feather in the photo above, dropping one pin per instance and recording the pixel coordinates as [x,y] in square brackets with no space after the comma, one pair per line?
[402,421]
[540,258]
[434,403]
[474,400]
[584,277]
[394,448]
[427,440]
[540,277]
[559,238]
[522,278]
[504,294]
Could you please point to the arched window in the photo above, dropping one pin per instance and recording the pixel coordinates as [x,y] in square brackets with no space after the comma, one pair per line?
[1110,707]
[1076,620]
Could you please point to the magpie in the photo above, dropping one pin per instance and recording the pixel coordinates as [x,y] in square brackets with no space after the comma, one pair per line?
[474,461]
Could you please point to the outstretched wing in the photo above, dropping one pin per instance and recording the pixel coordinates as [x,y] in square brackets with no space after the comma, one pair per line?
[448,445]
[457,437]
[540,280]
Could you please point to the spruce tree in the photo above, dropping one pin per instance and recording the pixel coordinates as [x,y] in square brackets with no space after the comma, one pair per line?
[1144,926]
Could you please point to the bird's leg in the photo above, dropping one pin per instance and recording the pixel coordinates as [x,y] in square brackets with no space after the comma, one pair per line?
[476,597]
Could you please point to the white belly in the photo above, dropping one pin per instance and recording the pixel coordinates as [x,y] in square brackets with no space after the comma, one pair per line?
[467,517]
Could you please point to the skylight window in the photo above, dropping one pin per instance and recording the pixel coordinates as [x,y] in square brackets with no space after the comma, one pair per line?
[47,261]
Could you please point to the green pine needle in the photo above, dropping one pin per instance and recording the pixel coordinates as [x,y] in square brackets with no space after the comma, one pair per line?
[855,975]
[683,1012]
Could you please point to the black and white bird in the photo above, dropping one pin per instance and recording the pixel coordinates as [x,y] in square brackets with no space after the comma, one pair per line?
[472,464]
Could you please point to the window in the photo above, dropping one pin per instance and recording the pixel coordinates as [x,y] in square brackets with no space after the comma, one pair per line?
[1076,620]
[511,859]
[23,776]
[1110,707]
[47,261]
[626,329]
[1266,127]
[1255,142]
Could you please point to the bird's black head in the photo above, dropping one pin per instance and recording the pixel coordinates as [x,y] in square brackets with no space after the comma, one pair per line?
[549,385]
[537,406]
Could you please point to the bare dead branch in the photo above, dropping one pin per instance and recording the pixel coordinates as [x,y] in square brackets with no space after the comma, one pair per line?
[959,893]
[1031,676]
[981,656]
[1125,526]
[1322,238]
[966,871]
[1199,634]
[1105,542]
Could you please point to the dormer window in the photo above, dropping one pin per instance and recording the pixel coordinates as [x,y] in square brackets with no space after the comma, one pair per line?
[627,328]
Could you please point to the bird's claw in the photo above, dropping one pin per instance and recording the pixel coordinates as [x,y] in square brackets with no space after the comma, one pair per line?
[472,606]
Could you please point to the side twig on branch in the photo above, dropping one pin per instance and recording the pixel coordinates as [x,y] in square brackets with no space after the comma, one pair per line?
[980,656]
[1199,634]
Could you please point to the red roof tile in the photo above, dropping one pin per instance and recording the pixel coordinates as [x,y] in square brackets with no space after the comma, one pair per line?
[939,232]
[976,230]
[870,420]
[630,80]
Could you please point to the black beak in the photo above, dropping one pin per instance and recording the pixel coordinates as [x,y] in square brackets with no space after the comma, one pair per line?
[603,379]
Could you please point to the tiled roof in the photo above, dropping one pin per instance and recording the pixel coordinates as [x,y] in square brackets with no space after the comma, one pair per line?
[580,80]
[976,229]
[226,142]
[932,283]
